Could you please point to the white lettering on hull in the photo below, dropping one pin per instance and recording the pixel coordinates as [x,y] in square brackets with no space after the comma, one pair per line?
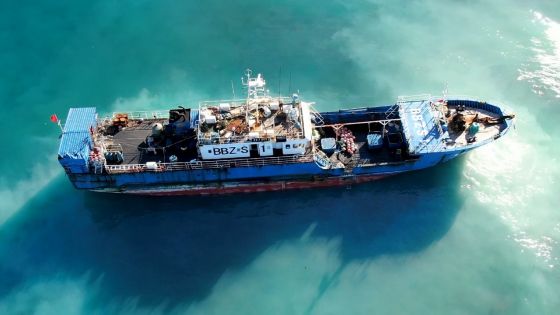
[224,151]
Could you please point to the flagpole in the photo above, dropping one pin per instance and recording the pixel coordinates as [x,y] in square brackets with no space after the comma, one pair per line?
[54,119]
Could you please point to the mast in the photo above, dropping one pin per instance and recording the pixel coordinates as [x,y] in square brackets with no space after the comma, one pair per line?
[246,83]
[255,90]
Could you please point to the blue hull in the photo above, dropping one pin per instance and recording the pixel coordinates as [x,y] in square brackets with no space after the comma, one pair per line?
[256,176]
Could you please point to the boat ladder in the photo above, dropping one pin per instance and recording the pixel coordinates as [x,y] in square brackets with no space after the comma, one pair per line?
[318,119]
[393,110]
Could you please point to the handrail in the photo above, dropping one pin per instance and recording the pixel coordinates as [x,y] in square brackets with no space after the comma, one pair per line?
[210,164]
[392,110]
[241,102]
[380,121]
[158,114]
[204,140]
[410,98]
[316,114]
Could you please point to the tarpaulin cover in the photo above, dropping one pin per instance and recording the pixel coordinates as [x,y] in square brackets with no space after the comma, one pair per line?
[419,124]
[76,141]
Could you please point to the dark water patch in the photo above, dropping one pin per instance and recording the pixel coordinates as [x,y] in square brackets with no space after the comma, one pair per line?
[176,248]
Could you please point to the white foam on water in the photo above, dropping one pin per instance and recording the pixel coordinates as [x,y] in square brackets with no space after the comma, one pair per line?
[515,179]
[420,52]
[147,100]
[50,296]
[545,75]
[15,195]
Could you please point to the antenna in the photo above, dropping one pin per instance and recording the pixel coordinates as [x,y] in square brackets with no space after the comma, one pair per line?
[290,84]
[279,80]
[247,104]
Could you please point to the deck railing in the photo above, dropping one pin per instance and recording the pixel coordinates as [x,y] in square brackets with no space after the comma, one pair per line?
[145,114]
[242,101]
[206,139]
[210,164]
[412,98]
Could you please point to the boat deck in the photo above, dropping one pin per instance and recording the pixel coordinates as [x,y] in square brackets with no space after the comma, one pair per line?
[132,140]
[486,131]
[364,155]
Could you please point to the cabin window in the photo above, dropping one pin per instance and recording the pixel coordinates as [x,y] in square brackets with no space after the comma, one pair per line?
[209,151]
[287,146]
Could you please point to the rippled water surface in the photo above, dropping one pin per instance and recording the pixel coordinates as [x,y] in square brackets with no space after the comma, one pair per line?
[478,235]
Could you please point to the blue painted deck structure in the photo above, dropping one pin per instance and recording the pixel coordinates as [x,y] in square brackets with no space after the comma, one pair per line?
[420,127]
[76,141]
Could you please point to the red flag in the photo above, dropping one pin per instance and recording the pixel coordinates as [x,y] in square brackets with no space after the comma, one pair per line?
[54,118]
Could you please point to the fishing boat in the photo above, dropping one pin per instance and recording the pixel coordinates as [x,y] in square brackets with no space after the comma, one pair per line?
[268,143]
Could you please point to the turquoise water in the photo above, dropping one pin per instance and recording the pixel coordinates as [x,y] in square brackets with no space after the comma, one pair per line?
[478,235]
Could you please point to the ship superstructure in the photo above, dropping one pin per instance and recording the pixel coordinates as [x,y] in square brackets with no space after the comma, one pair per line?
[268,143]
[259,126]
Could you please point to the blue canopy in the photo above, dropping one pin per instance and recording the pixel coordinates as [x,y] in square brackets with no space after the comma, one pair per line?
[420,126]
[76,141]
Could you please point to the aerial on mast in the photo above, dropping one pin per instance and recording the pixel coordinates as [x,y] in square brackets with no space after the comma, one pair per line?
[255,90]
[255,86]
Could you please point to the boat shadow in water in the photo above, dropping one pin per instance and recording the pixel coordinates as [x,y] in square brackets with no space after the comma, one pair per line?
[197,239]
[175,249]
